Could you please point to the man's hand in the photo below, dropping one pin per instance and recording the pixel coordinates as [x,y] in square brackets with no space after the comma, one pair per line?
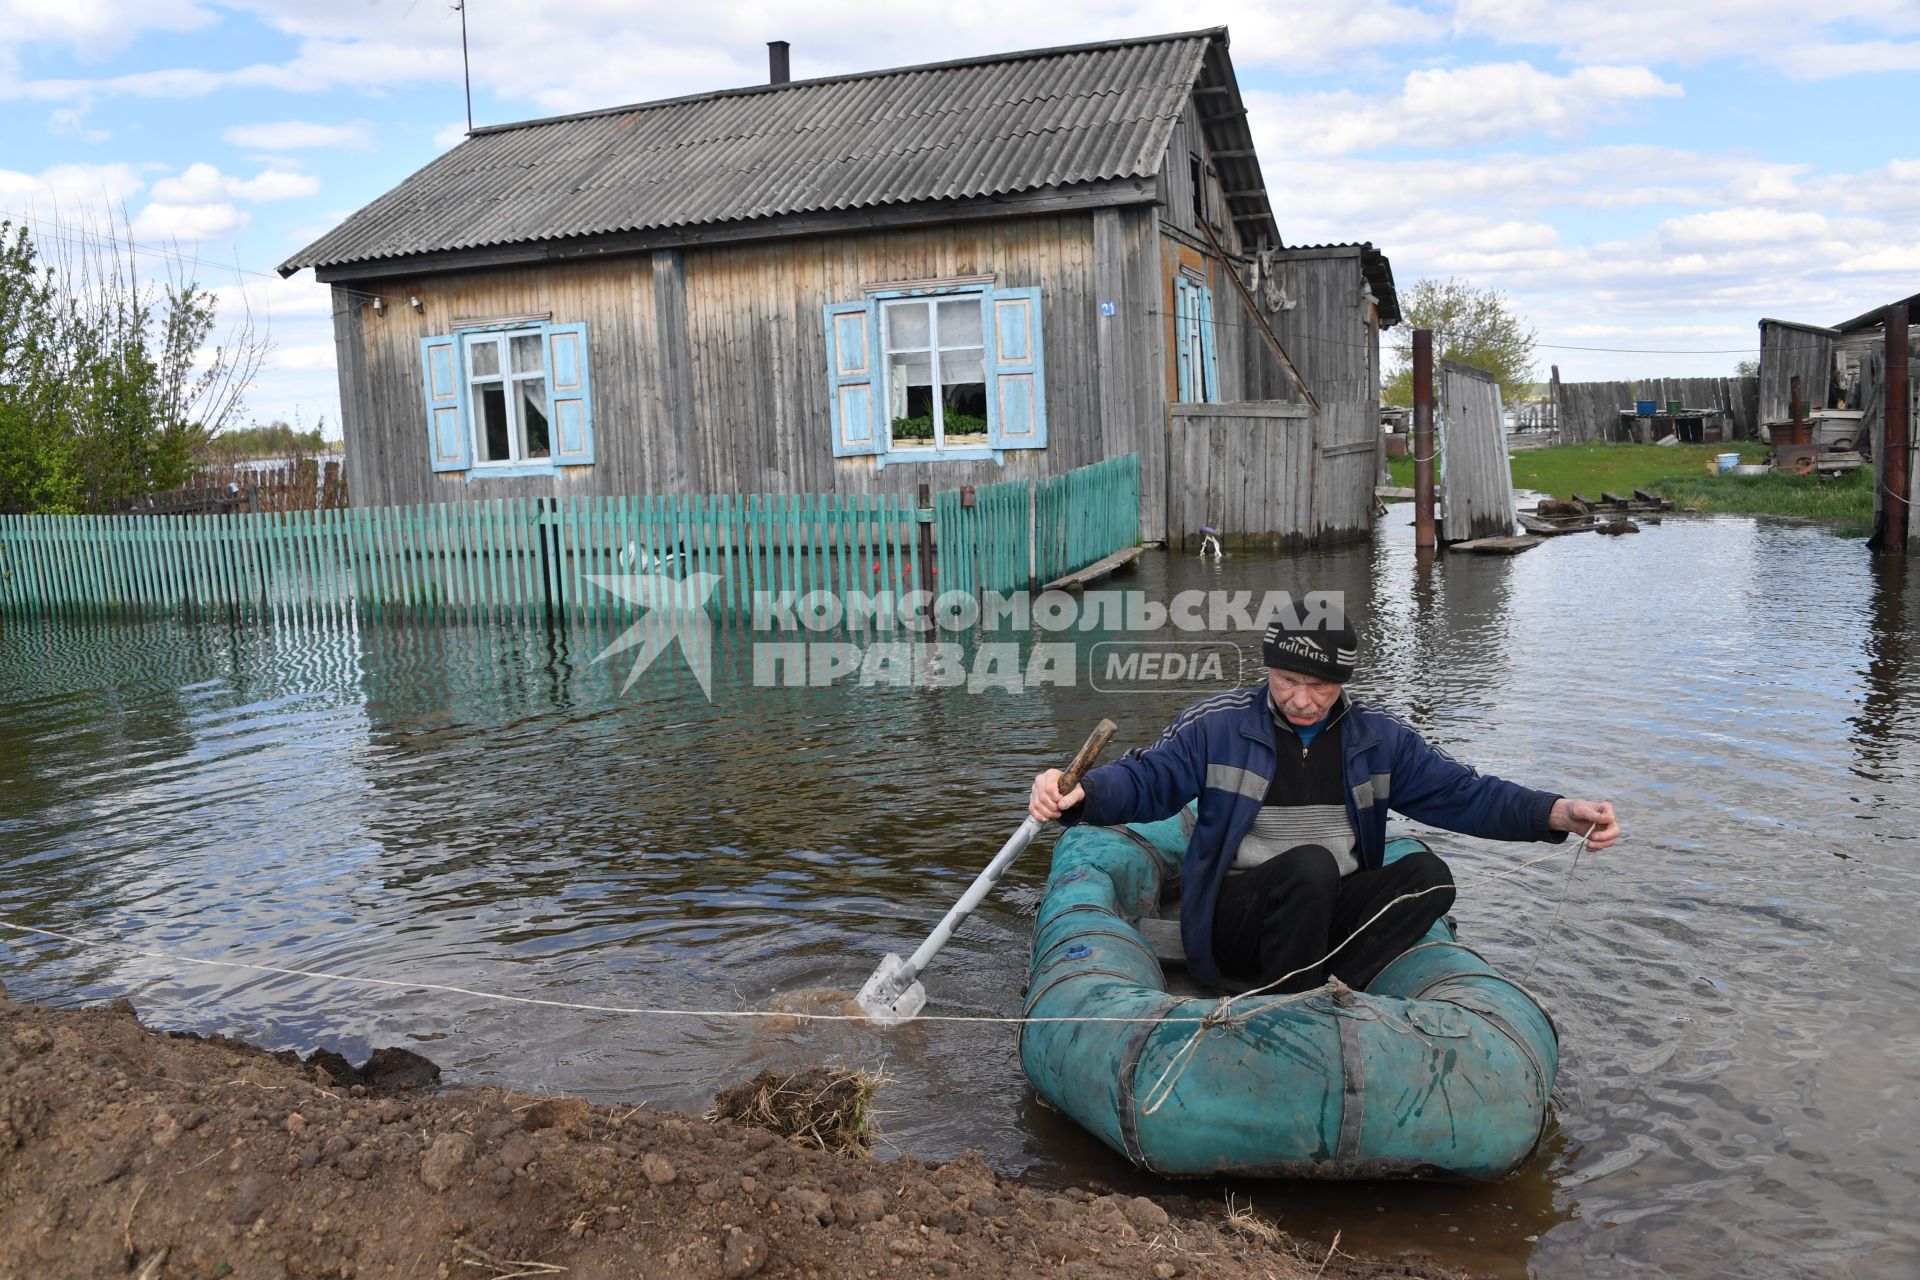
[1578,815]
[1047,802]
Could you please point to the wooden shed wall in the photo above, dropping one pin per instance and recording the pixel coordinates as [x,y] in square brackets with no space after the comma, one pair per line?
[709,364]
[1328,329]
[1272,473]
[1787,350]
[1180,210]
[1478,498]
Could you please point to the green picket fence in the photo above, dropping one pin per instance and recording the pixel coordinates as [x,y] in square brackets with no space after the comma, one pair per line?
[530,556]
[1086,515]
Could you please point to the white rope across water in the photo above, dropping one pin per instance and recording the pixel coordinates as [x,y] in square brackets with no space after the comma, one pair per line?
[1202,1020]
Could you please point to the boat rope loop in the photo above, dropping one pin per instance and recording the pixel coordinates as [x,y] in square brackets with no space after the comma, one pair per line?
[1226,1013]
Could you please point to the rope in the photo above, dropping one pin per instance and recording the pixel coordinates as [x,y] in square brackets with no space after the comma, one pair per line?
[1566,884]
[1222,1015]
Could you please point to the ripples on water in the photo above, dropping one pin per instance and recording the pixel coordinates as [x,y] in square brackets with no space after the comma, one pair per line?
[481,807]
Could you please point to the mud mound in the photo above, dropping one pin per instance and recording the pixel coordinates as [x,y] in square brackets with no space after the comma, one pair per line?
[128,1153]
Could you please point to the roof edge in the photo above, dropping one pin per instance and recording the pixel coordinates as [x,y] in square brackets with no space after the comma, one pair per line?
[1018,55]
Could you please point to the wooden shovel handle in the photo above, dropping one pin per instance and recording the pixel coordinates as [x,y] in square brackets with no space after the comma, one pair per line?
[1095,744]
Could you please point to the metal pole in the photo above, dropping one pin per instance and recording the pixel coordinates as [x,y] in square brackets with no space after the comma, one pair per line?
[1423,532]
[1896,463]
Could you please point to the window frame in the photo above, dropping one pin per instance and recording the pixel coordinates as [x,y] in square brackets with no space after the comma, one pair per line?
[452,413]
[880,300]
[502,338]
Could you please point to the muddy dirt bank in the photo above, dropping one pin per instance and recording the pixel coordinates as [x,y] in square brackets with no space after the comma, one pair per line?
[130,1152]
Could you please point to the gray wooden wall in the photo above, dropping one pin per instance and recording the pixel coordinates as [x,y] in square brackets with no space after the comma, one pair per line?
[1272,473]
[1478,496]
[1328,328]
[1591,410]
[709,364]
[1787,350]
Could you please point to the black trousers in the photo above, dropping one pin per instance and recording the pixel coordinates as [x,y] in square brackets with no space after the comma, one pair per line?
[1291,910]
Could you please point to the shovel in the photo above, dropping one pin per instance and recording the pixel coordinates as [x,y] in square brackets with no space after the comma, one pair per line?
[893,994]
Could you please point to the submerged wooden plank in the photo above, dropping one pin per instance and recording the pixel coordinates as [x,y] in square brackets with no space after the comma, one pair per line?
[1098,569]
[1508,545]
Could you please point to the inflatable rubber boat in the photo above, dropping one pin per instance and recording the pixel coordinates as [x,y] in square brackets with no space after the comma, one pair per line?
[1440,1067]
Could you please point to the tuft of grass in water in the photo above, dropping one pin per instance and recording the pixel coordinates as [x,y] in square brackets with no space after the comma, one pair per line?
[1679,472]
[823,1107]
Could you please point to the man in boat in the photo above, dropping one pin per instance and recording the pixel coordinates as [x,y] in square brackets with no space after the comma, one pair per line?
[1294,778]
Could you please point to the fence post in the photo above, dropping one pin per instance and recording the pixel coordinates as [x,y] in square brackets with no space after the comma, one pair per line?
[1423,531]
[924,514]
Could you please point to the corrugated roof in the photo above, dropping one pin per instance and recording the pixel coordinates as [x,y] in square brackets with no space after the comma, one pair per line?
[981,127]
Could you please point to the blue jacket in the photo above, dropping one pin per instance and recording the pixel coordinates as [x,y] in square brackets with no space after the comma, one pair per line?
[1221,751]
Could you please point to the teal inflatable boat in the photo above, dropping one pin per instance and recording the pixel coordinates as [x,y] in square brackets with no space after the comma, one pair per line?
[1441,1067]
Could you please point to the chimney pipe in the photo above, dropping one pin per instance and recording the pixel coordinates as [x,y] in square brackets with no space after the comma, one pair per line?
[777,72]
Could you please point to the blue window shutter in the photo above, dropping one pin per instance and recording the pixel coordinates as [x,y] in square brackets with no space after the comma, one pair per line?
[853,378]
[1209,349]
[569,394]
[1182,336]
[448,446]
[1016,371]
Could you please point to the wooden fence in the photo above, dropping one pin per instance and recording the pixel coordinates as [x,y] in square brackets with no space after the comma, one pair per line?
[1591,410]
[531,556]
[306,484]
[1273,473]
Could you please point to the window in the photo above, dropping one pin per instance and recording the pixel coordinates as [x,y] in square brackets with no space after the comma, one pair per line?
[1197,175]
[1195,341]
[508,400]
[943,372]
[935,372]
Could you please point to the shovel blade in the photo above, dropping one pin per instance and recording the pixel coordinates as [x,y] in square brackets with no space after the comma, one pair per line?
[893,994]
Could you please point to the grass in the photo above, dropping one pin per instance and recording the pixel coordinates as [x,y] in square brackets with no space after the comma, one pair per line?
[828,1109]
[1679,472]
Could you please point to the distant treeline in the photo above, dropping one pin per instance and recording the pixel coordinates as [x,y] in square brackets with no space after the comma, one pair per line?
[274,440]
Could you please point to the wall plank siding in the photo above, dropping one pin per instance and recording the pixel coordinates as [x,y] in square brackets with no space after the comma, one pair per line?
[709,364]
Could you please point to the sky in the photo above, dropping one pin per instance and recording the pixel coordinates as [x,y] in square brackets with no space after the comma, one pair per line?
[1643,180]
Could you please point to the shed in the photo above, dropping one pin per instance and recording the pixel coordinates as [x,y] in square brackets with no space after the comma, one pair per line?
[958,273]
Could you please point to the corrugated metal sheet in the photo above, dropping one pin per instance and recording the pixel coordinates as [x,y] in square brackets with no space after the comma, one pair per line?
[984,127]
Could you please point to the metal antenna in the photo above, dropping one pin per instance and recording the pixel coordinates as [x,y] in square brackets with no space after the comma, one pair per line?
[466,68]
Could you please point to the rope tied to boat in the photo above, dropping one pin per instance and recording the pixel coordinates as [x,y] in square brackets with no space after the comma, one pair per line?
[1226,1013]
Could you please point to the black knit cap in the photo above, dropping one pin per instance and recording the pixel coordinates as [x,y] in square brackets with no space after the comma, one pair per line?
[1324,652]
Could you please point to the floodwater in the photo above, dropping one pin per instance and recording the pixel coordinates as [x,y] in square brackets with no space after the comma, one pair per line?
[1735,983]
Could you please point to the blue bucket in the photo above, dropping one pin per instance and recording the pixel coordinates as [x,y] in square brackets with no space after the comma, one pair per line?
[1646,408]
[1727,461]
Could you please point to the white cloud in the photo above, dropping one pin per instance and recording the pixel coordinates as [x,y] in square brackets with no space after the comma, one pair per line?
[299,135]
[202,183]
[1724,228]
[1786,34]
[1451,107]
[70,122]
[96,26]
[66,192]
[163,223]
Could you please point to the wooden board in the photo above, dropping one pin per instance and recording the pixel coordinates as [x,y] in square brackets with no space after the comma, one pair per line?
[1502,546]
[1098,569]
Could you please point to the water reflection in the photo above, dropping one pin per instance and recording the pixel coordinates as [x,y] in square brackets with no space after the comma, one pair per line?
[481,806]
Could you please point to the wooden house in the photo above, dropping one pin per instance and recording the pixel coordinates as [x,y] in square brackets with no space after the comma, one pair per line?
[959,273]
